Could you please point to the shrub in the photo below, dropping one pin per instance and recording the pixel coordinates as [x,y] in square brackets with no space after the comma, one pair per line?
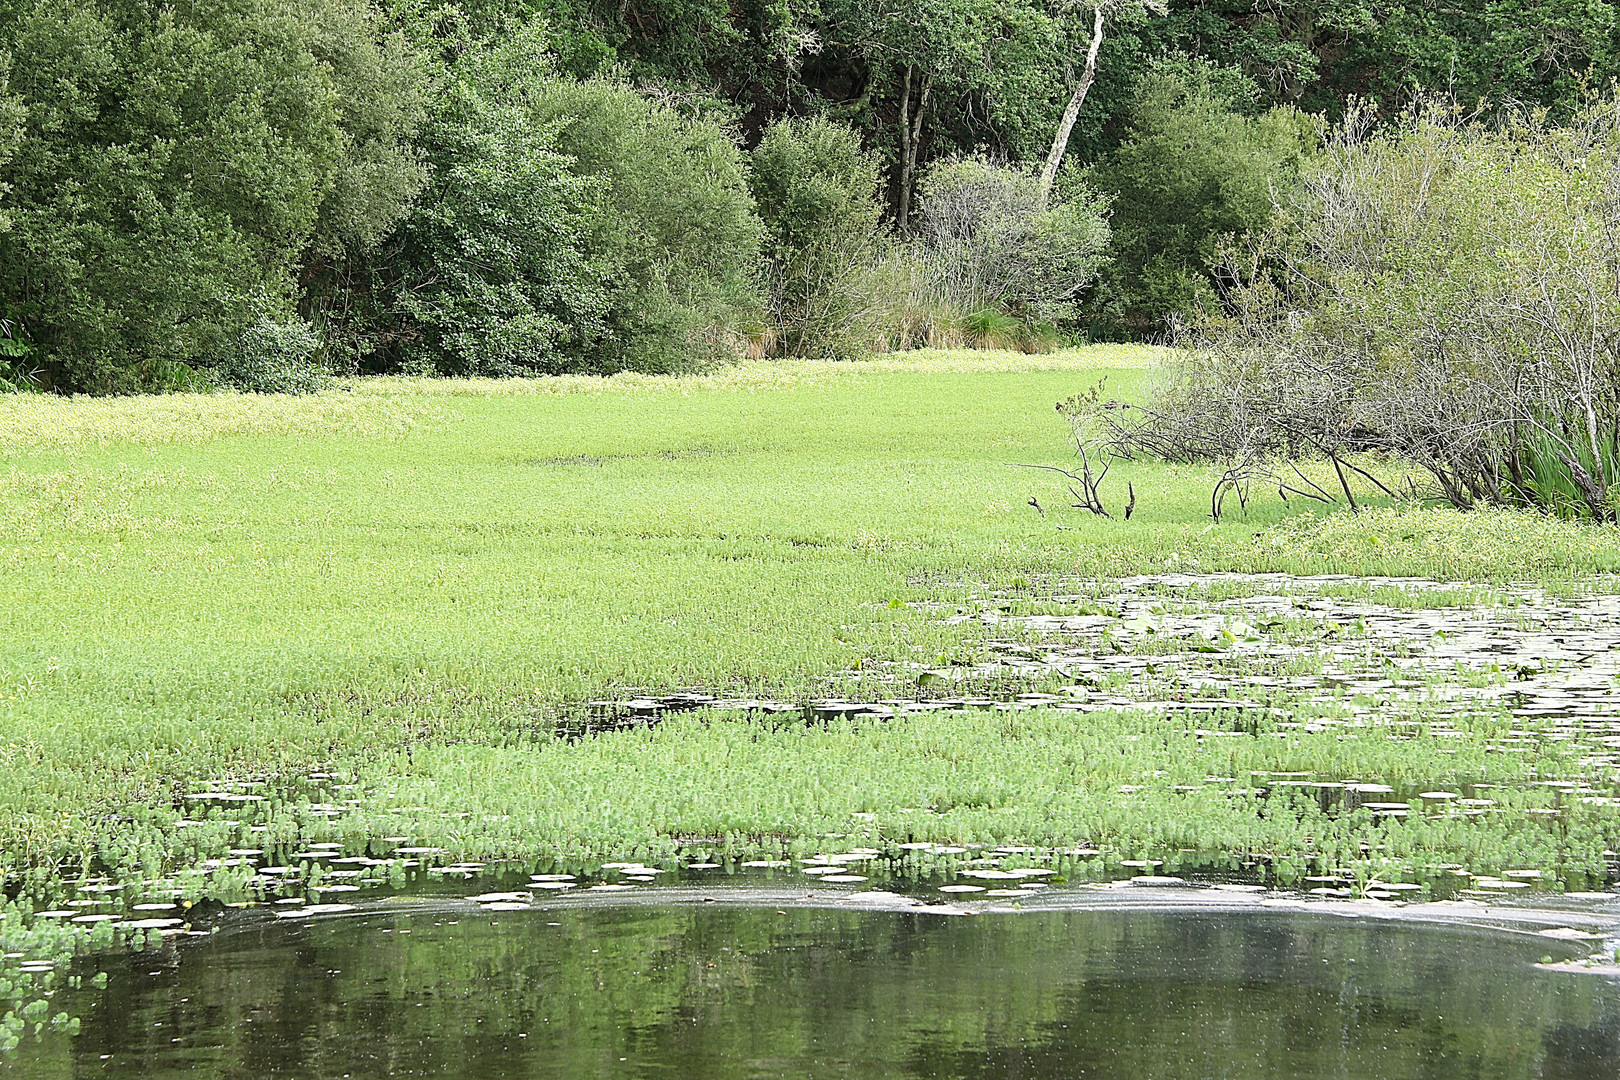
[273,358]
[813,185]
[492,268]
[1192,170]
[567,227]
[676,240]
[986,242]
[817,194]
[1445,291]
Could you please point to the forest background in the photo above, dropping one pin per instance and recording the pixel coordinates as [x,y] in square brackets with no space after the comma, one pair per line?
[264,193]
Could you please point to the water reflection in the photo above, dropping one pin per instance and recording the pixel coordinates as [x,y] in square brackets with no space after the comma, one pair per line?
[720,992]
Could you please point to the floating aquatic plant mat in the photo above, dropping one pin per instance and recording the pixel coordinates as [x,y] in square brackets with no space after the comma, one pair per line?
[1190,643]
[306,651]
[1397,710]
[1347,734]
[1354,737]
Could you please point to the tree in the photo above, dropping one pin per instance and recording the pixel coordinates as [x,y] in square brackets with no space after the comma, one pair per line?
[817,194]
[175,164]
[1191,170]
[569,226]
[906,54]
[678,239]
[926,80]
[1088,75]
[491,272]
[1071,112]
[1542,52]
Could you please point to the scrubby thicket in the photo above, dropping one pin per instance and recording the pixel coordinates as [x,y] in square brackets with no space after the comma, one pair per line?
[1446,291]
[260,194]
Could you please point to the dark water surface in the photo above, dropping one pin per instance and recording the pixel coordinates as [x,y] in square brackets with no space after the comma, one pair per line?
[721,991]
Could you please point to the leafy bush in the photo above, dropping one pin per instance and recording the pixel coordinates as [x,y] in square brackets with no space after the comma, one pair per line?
[814,186]
[1193,169]
[174,165]
[13,114]
[1445,291]
[817,193]
[675,240]
[492,269]
[273,358]
[568,226]
[986,242]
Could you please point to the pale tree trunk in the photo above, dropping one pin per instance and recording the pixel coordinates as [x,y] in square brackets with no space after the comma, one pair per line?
[1060,142]
[910,140]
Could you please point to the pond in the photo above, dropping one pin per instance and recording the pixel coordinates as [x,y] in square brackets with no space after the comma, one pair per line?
[747,982]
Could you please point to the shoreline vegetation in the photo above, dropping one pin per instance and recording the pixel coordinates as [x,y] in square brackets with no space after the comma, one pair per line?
[620,440]
[376,617]
[411,582]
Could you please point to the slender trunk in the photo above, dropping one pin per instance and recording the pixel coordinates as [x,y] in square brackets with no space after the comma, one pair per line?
[904,212]
[910,142]
[1060,141]
[916,135]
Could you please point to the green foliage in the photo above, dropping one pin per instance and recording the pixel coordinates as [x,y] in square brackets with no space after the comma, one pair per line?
[813,186]
[676,240]
[13,115]
[174,165]
[567,226]
[16,373]
[817,194]
[494,276]
[987,242]
[1192,170]
[273,358]
[172,177]
[383,80]
[1445,291]
[969,76]
[1543,477]
[991,328]
[692,42]
[1495,53]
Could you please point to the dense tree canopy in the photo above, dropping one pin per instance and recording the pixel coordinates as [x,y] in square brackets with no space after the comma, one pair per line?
[175,164]
[509,185]
[1190,170]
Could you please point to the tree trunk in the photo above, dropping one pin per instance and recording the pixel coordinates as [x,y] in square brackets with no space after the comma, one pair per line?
[910,140]
[1060,142]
